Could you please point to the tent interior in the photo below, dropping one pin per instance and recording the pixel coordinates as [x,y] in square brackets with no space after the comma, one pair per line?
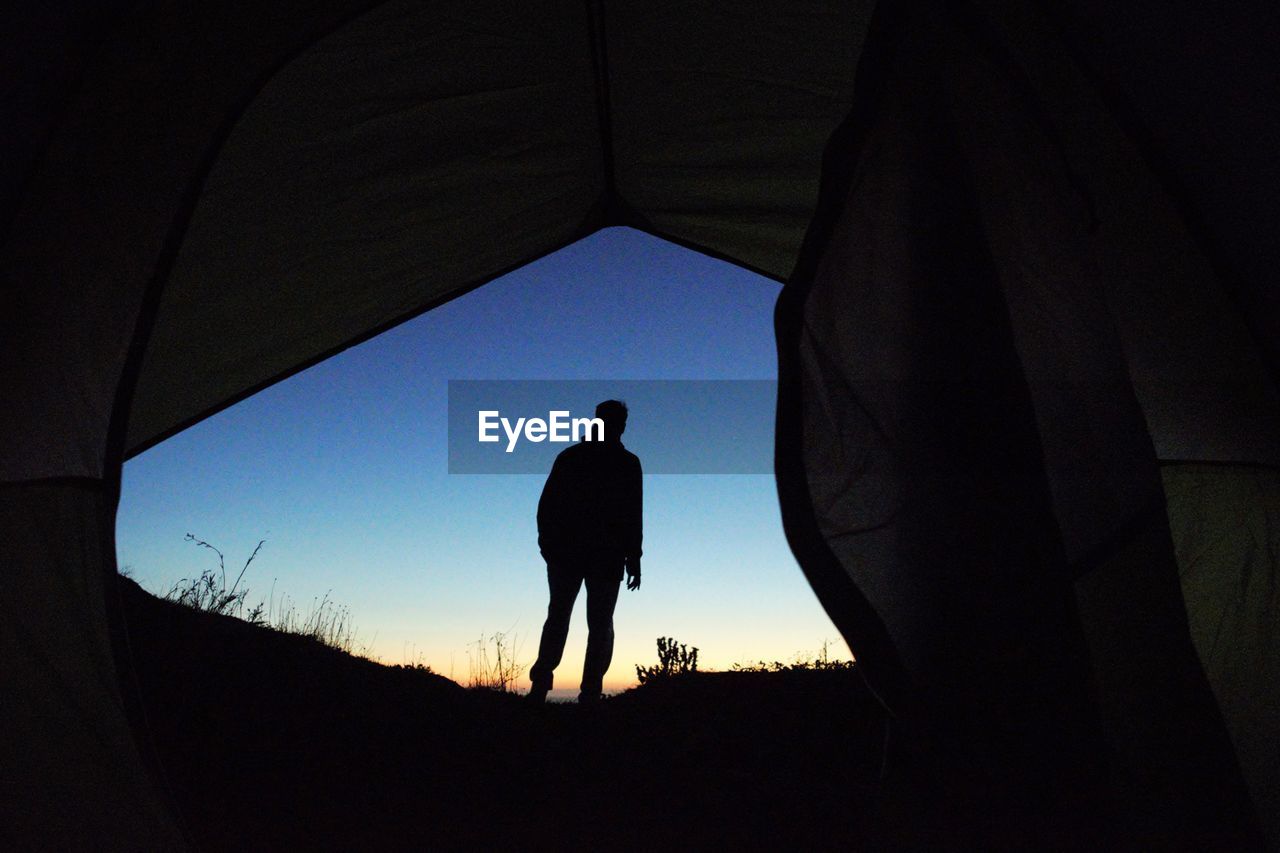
[1028,436]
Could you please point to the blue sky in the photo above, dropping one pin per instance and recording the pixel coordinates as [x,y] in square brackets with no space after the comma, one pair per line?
[343,469]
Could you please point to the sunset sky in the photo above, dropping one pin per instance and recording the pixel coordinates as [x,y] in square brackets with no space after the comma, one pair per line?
[343,469]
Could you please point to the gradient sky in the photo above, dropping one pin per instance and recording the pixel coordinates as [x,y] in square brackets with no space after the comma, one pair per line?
[343,469]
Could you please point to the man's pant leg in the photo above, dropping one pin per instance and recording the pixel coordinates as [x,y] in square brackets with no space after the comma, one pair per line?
[563,583]
[602,597]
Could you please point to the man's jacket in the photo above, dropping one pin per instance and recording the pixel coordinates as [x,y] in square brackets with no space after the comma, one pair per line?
[591,506]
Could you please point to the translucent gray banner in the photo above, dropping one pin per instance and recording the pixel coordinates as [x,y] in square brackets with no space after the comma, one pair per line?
[675,426]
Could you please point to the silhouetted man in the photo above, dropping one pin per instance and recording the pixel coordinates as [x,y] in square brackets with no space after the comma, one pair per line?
[589,529]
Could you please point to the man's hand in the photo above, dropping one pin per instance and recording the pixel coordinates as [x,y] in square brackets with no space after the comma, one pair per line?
[633,572]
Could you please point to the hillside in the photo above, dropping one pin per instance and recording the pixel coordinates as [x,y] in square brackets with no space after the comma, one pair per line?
[272,741]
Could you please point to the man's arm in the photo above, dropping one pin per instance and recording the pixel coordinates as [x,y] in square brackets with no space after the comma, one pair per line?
[551,513]
[635,524]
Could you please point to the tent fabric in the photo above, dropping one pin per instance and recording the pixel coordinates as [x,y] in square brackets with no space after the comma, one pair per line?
[1206,386]
[106,200]
[1226,531]
[974,447]
[466,142]
[1030,279]
[71,777]
[716,152]
[719,113]
[467,139]
[1195,89]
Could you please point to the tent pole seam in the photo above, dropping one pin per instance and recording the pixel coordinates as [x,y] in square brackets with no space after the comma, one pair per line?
[604,103]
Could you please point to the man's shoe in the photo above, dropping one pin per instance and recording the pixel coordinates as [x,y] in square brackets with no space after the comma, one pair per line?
[536,695]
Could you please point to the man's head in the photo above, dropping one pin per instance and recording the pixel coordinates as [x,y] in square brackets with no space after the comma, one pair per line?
[614,415]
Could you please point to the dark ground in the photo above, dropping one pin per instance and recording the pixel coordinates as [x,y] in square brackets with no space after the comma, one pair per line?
[272,741]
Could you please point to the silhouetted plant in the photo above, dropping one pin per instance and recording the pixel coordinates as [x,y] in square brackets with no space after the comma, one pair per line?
[209,591]
[673,659]
[413,667]
[497,671]
[327,622]
[413,659]
[822,661]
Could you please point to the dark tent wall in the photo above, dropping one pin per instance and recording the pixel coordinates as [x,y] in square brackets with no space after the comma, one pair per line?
[1000,325]
[118,119]
[1225,533]
[1030,284]
[1195,87]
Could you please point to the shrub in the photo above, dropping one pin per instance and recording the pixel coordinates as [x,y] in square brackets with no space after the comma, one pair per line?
[673,659]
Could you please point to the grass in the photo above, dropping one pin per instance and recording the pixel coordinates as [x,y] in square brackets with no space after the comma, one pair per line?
[326,621]
[209,592]
[492,659]
[677,660]
[821,661]
[493,665]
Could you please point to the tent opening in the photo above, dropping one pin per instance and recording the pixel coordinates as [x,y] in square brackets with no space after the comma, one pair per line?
[344,470]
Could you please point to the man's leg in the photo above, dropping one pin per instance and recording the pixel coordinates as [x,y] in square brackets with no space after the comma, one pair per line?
[602,597]
[564,585]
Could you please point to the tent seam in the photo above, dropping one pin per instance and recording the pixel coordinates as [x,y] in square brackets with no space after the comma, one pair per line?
[604,98]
